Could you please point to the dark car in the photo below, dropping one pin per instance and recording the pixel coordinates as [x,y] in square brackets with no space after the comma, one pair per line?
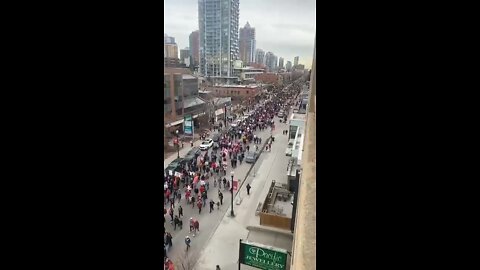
[175,166]
[251,157]
[194,152]
[188,159]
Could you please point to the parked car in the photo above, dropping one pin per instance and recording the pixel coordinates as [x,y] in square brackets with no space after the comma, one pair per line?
[195,151]
[251,157]
[206,144]
[175,166]
[189,159]
[192,155]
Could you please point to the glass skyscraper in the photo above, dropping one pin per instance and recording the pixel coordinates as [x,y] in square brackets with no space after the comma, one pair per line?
[218,25]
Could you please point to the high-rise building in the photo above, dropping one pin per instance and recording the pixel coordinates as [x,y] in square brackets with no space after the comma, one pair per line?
[170,51]
[295,61]
[184,54]
[195,48]
[218,24]
[270,61]
[280,62]
[288,66]
[247,44]
[168,40]
[260,56]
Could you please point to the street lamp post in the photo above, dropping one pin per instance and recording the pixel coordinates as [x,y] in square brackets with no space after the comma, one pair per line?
[225,112]
[178,145]
[231,209]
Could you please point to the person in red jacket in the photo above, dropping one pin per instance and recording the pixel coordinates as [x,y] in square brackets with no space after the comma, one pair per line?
[199,205]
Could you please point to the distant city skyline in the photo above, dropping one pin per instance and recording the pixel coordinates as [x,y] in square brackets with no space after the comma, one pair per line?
[284,27]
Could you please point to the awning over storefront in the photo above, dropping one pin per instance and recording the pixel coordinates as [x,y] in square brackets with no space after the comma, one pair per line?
[181,120]
[191,102]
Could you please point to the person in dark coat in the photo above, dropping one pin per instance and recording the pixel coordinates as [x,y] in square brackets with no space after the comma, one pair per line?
[170,212]
[169,240]
[248,189]
[220,196]
[180,211]
[212,204]
[175,223]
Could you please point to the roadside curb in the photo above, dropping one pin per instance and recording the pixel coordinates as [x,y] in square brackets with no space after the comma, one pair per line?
[270,230]
[253,165]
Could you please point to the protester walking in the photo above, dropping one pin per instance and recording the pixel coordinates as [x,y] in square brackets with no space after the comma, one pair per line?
[180,211]
[220,197]
[211,205]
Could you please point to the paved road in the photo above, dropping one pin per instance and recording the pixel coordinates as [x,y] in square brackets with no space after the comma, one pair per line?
[222,247]
[208,221]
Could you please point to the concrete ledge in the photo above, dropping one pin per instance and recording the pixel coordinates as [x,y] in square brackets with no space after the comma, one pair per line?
[304,243]
[253,165]
[270,230]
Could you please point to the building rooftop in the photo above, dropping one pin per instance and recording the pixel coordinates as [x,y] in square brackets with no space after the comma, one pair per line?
[251,68]
[168,70]
[280,203]
[236,86]
[297,116]
[190,102]
[222,100]
[188,76]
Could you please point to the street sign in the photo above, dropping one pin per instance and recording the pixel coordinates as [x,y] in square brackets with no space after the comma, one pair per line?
[262,256]
[188,125]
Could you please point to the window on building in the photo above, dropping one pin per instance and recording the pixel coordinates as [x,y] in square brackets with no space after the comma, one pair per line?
[293,132]
[179,111]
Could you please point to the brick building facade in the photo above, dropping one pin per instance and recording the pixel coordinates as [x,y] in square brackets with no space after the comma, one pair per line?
[234,90]
[269,78]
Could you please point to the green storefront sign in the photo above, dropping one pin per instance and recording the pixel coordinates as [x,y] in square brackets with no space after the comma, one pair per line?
[262,257]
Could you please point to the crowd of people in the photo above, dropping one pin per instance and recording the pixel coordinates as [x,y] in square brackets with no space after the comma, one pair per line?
[190,186]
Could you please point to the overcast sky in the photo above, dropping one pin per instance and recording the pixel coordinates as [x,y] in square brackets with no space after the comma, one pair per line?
[284,27]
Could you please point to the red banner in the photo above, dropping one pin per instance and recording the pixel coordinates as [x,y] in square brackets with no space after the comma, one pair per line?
[235,185]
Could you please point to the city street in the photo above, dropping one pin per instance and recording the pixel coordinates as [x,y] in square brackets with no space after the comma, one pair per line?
[222,247]
[210,221]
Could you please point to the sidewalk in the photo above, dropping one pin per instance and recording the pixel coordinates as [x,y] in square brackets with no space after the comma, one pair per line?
[223,247]
[183,152]
[208,221]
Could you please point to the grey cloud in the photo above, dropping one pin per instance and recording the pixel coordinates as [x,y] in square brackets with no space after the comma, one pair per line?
[285,27]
